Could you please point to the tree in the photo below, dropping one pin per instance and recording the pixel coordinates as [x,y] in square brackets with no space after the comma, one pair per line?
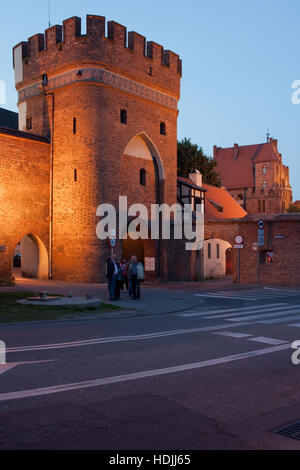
[192,157]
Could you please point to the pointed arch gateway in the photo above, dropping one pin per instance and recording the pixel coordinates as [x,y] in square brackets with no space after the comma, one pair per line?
[33,258]
[141,157]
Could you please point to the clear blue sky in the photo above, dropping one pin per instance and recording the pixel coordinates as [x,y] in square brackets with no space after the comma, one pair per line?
[240,58]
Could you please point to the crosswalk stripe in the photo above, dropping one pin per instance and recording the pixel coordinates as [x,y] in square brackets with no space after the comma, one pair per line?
[256,294]
[217,296]
[232,334]
[266,340]
[253,310]
[266,315]
[281,320]
[228,310]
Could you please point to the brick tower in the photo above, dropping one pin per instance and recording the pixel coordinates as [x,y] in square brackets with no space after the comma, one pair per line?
[108,104]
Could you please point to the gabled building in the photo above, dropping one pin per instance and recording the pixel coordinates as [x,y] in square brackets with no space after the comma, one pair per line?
[219,206]
[255,176]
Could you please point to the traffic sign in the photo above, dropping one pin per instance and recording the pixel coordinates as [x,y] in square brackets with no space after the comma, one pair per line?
[261,224]
[238,240]
[238,246]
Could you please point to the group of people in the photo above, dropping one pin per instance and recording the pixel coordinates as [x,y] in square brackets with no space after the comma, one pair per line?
[121,273]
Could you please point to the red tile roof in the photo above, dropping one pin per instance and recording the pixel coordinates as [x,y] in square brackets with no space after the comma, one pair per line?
[236,164]
[219,198]
[219,204]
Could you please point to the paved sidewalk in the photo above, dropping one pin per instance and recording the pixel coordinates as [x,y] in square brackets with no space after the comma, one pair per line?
[155,298]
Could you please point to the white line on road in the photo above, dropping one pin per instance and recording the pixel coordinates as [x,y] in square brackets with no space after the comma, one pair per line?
[295,324]
[255,310]
[89,342]
[267,315]
[232,334]
[266,340]
[216,296]
[10,365]
[235,309]
[280,320]
[138,375]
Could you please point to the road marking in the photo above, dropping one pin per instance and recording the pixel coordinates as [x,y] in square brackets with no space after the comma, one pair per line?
[6,367]
[256,294]
[138,375]
[255,310]
[88,342]
[219,296]
[10,365]
[295,324]
[267,315]
[266,340]
[232,334]
[280,320]
[234,309]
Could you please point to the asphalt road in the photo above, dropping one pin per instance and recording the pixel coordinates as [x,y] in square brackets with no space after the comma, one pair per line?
[216,375]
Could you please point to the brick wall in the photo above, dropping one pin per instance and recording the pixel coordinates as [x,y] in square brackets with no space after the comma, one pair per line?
[24,193]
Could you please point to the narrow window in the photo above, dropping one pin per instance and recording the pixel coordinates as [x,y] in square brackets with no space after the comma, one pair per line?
[209,250]
[143,177]
[150,71]
[28,123]
[44,79]
[74,125]
[264,206]
[218,251]
[123,116]
[264,170]
[259,206]
[163,128]
[75,174]
[264,184]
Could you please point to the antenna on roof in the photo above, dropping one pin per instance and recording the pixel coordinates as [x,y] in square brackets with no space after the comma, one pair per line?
[49,12]
[268,135]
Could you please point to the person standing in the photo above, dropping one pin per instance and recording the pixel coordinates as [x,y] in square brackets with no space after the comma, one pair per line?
[112,272]
[135,275]
[119,283]
[124,267]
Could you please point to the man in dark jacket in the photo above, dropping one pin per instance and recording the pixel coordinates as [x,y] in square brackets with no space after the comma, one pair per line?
[112,272]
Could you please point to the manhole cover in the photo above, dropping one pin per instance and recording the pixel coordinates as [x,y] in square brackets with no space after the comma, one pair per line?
[292,431]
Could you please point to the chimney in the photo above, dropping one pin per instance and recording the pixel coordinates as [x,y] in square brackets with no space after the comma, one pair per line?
[215,150]
[196,177]
[235,151]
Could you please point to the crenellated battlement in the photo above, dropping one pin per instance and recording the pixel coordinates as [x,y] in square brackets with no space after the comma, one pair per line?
[107,44]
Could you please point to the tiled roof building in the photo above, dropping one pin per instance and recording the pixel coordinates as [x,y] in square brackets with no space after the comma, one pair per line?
[255,176]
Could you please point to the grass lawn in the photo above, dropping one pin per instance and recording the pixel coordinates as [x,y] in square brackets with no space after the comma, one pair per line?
[11,311]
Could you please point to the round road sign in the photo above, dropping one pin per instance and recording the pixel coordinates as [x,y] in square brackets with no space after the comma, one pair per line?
[238,240]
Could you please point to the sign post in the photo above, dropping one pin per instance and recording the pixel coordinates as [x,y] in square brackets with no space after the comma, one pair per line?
[239,244]
[112,240]
[260,243]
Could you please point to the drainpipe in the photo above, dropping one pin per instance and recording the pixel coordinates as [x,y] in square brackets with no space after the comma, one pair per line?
[51,189]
